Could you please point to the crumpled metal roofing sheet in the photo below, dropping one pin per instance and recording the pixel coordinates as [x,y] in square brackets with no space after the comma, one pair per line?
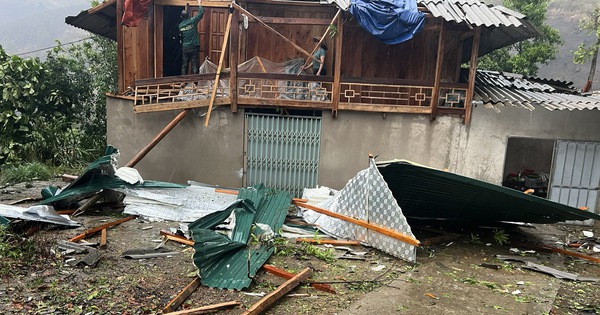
[500,89]
[230,262]
[365,197]
[431,194]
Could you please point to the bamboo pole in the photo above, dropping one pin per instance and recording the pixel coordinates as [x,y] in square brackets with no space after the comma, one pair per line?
[218,75]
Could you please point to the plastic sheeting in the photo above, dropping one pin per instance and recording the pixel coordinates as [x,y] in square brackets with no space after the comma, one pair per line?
[38,214]
[365,197]
[391,21]
[202,89]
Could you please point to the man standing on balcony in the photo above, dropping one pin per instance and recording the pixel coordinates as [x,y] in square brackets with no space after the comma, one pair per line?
[190,44]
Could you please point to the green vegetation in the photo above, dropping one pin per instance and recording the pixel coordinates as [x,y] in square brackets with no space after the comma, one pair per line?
[500,237]
[53,112]
[525,57]
[24,173]
[591,25]
[13,250]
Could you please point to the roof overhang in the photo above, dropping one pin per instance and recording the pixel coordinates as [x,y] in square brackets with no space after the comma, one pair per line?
[100,20]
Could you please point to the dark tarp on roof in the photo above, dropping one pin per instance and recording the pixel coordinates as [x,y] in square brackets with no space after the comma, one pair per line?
[431,194]
[391,21]
[100,20]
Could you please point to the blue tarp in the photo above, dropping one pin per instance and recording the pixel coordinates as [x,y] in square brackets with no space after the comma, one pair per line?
[391,21]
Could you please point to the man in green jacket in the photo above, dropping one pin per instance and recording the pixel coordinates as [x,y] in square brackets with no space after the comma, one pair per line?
[190,44]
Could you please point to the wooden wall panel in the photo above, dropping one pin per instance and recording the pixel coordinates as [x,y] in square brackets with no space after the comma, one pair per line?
[138,51]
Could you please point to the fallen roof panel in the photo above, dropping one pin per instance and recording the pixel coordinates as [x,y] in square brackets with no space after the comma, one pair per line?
[431,194]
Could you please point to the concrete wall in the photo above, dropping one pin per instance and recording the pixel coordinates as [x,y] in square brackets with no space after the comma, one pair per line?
[212,154]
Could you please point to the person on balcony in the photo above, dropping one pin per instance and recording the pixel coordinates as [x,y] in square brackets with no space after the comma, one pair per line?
[190,44]
[318,62]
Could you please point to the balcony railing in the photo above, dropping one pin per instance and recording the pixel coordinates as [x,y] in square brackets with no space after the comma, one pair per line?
[299,91]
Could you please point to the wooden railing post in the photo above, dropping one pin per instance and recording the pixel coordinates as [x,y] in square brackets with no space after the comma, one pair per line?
[438,72]
[234,51]
[472,73]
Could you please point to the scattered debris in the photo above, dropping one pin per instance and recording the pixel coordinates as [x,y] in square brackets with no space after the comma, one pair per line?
[288,275]
[98,229]
[145,253]
[38,214]
[207,309]
[91,259]
[326,241]
[286,287]
[557,273]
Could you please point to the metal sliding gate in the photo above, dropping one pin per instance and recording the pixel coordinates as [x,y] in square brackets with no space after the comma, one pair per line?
[282,152]
[575,177]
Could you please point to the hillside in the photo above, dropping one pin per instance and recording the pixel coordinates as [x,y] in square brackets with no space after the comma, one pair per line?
[32,25]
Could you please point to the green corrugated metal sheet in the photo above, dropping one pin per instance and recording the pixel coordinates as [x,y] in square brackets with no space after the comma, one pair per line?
[230,263]
[98,175]
[4,221]
[427,193]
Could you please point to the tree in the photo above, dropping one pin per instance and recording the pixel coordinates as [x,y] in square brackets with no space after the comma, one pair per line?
[525,57]
[584,53]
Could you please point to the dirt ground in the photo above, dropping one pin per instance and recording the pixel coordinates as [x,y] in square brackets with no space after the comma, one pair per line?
[447,278]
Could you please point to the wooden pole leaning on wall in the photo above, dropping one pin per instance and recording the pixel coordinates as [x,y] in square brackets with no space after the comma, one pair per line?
[140,155]
[219,68]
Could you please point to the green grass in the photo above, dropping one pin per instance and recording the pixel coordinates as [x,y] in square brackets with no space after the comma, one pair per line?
[27,172]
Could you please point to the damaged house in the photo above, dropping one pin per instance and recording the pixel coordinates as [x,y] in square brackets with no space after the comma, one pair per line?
[404,95]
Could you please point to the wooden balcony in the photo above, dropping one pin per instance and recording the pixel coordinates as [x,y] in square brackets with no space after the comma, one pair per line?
[299,92]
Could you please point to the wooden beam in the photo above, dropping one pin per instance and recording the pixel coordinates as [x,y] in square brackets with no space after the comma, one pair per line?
[284,103]
[183,3]
[88,204]
[206,309]
[120,48]
[570,253]
[385,108]
[293,21]
[332,242]
[97,229]
[182,296]
[234,54]
[438,71]
[379,229]
[219,67]
[177,238]
[337,67]
[288,275]
[472,73]
[286,287]
[235,5]
[161,107]
[140,155]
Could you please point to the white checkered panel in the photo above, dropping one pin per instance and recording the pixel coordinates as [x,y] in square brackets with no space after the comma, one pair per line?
[366,197]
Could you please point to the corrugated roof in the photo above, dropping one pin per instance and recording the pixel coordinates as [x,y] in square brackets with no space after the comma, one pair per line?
[230,262]
[428,193]
[497,89]
[100,20]
[500,26]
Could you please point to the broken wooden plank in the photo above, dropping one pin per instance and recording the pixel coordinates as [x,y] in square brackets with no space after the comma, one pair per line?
[219,67]
[88,204]
[103,239]
[570,253]
[321,241]
[288,275]
[206,309]
[286,287]
[182,296]
[379,229]
[97,229]
[177,238]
